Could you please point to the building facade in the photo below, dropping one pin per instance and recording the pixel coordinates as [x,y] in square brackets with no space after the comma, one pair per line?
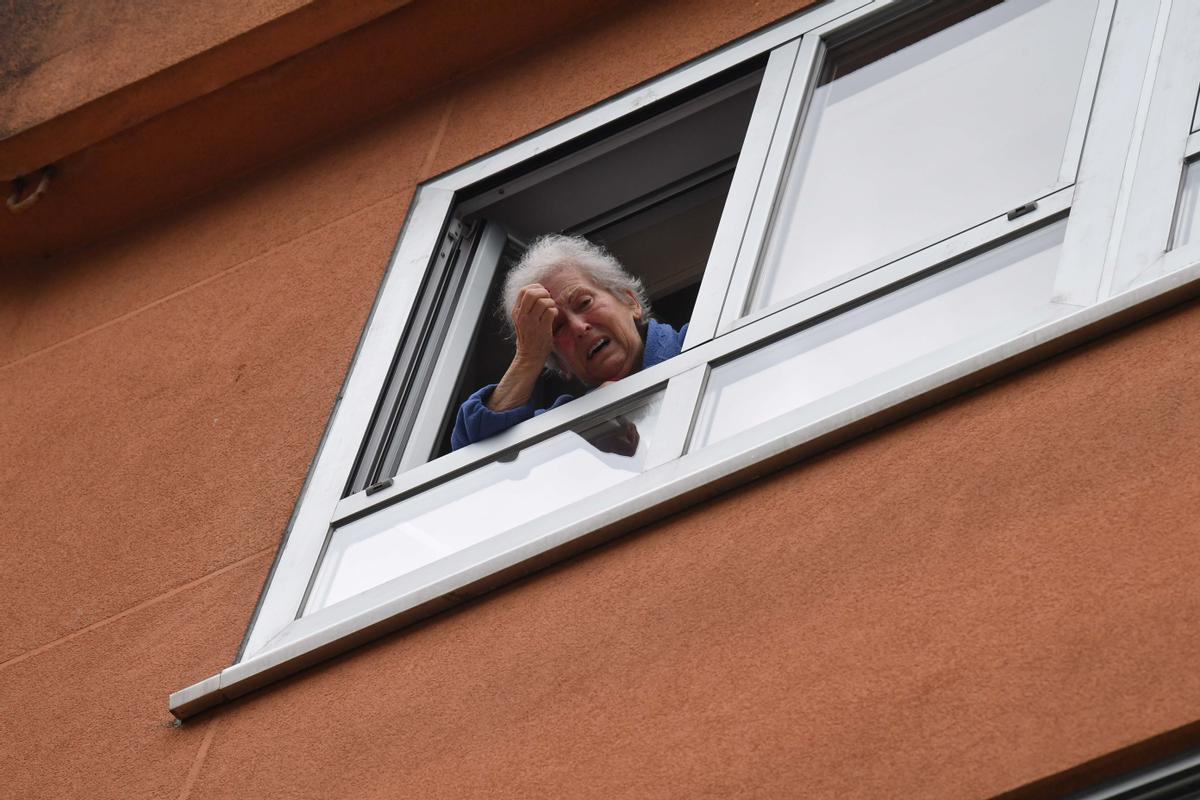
[986,590]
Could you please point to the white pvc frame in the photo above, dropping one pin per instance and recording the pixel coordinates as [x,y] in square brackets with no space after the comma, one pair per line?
[1167,144]
[279,643]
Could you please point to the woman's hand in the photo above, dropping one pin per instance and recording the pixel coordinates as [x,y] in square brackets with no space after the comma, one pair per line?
[533,318]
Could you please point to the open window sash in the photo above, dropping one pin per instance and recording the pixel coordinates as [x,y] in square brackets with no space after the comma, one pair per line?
[1158,171]
[793,194]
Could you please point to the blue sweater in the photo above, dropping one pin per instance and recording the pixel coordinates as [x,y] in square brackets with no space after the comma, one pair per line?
[476,421]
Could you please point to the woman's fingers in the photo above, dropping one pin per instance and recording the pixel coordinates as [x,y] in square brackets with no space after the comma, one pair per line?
[534,307]
[546,310]
[533,317]
[529,298]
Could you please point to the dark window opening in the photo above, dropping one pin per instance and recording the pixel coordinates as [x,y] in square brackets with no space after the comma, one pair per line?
[882,35]
[653,202]
[652,192]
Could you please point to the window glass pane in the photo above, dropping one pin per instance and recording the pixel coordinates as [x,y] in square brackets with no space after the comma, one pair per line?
[925,141]
[982,301]
[483,503]
[1196,116]
[1187,216]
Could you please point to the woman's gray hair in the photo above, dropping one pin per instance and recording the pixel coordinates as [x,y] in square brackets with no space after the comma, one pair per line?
[552,252]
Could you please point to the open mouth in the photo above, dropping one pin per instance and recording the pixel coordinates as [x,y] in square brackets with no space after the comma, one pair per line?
[597,347]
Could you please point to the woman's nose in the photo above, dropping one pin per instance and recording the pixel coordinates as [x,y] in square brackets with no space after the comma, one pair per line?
[578,325]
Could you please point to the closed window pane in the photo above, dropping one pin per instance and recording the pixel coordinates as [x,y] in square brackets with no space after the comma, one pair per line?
[925,141]
[1187,216]
[488,501]
[982,301]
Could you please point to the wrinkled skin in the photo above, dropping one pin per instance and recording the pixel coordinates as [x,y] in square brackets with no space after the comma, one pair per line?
[593,332]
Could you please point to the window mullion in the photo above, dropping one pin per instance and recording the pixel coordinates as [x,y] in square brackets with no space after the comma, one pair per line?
[739,202]
[1090,246]
[745,256]
[1160,152]
[1073,152]
[680,404]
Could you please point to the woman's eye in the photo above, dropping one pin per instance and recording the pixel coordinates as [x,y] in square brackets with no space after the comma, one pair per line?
[584,303]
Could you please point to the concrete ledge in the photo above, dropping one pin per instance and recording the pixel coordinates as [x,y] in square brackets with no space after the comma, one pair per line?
[182,133]
[33,138]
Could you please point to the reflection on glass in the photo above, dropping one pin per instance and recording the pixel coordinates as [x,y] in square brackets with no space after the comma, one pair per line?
[1187,215]
[984,300]
[926,141]
[483,503]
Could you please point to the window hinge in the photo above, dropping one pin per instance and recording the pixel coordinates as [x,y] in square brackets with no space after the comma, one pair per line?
[1021,211]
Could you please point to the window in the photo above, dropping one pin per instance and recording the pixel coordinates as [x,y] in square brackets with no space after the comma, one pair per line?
[859,210]
[651,192]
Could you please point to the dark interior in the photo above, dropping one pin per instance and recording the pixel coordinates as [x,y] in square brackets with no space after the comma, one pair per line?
[881,35]
[654,200]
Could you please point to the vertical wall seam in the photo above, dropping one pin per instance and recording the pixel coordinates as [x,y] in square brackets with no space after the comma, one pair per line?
[436,144]
[198,762]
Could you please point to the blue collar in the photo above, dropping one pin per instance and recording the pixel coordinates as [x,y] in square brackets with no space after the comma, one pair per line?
[662,342]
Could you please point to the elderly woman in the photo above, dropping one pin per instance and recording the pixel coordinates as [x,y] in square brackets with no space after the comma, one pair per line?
[573,308]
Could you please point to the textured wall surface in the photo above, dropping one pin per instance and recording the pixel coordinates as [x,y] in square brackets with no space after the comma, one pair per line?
[206,123]
[984,595]
[60,54]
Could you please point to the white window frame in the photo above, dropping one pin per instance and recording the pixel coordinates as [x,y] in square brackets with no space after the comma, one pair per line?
[1166,145]
[1125,104]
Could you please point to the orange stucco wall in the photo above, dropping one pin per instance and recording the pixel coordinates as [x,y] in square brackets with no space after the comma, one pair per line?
[61,54]
[207,122]
[983,596]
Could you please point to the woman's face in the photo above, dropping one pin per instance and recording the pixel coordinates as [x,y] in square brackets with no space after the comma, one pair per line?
[595,332]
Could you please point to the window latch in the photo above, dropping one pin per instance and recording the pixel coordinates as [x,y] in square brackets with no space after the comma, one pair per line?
[1021,211]
[378,487]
